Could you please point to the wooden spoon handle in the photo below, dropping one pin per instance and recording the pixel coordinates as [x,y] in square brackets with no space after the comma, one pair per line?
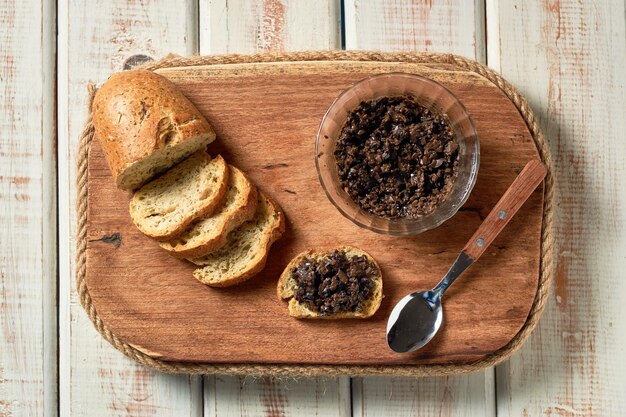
[523,186]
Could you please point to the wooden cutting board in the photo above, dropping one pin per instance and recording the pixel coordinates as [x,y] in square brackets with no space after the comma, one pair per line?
[266,117]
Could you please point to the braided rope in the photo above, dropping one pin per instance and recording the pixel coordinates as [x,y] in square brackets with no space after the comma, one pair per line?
[280,370]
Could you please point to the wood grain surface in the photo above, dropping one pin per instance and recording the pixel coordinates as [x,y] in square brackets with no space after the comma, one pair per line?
[248,26]
[28,302]
[247,396]
[503,212]
[266,116]
[469,395]
[456,26]
[569,58]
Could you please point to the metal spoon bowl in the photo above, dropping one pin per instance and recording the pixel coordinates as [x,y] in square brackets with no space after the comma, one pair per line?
[404,333]
[417,317]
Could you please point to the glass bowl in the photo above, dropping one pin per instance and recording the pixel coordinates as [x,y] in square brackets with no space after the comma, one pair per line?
[429,94]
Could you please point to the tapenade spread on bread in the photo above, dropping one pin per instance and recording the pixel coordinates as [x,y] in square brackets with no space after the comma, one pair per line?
[341,283]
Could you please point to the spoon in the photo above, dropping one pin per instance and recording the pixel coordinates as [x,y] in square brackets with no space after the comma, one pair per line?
[415,320]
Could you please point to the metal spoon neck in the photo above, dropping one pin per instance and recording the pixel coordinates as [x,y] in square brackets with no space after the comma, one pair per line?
[462,262]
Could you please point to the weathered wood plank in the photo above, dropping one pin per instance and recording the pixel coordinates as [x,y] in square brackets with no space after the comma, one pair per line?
[446,26]
[568,58]
[28,261]
[455,26]
[241,26]
[233,397]
[247,26]
[95,39]
[470,396]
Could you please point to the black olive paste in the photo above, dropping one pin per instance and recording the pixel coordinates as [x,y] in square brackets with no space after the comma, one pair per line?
[396,158]
[334,284]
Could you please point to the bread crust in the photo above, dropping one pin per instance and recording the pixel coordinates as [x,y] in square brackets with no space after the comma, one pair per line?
[285,288]
[220,236]
[137,113]
[276,231]
[273,236]
[204,209]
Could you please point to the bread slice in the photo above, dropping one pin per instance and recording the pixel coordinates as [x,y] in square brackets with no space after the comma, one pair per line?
[211,232]
[165,207]
[146,125]
[246,251]
[287,285]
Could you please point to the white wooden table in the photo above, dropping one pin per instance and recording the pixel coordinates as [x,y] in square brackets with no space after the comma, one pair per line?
[567,56]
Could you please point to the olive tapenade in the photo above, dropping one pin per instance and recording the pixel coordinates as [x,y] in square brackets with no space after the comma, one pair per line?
[396,158]
[335,283]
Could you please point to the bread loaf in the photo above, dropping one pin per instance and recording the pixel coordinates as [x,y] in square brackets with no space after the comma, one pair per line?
[146,125]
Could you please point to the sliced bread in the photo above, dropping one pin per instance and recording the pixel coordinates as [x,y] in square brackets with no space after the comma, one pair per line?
[166,206]
[246,251]
[211,232]
[287,286]
[146,125]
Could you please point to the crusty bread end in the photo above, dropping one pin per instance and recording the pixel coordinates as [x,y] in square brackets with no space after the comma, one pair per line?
[146,125]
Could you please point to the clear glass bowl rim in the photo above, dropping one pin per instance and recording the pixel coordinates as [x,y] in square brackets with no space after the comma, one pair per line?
[434,224]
